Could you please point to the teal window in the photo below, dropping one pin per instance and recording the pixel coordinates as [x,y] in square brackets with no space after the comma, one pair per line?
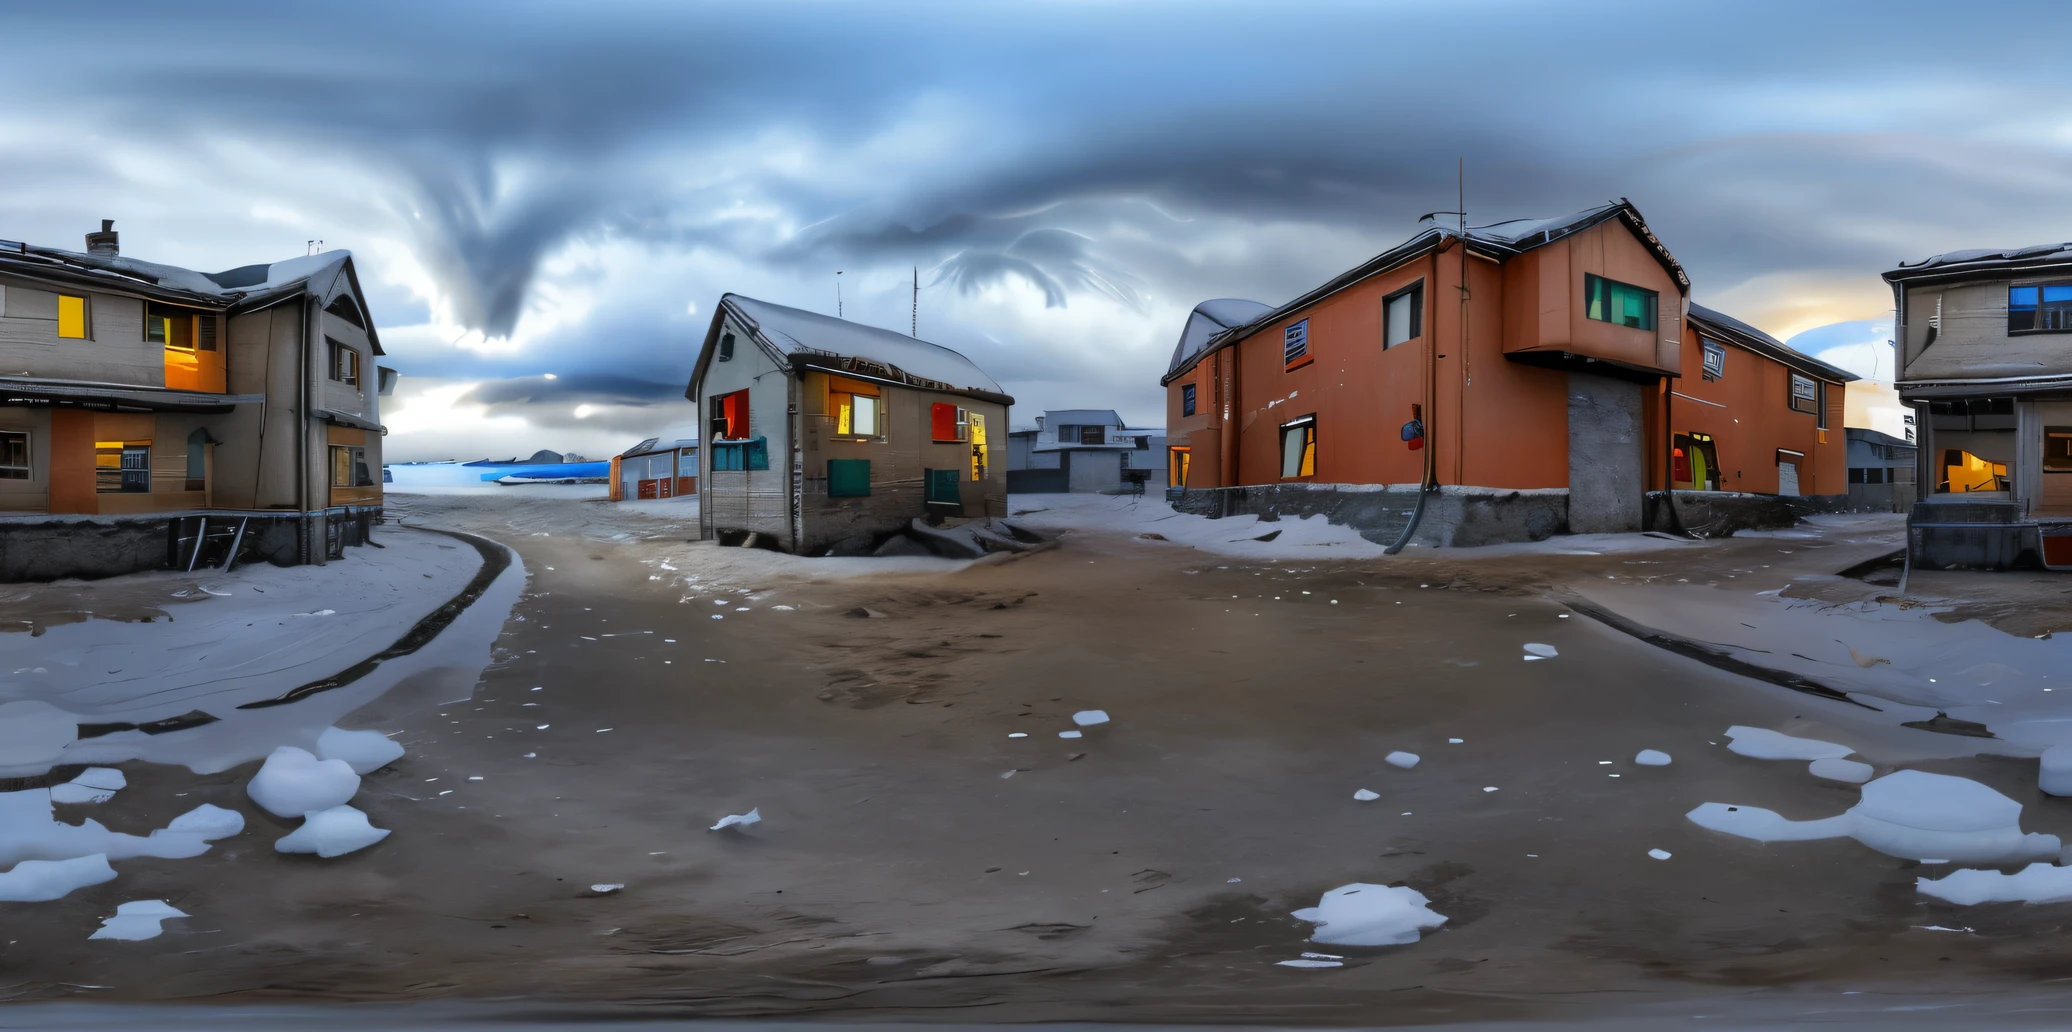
[753,453]
[942,487]
[1621,303]
[848,478]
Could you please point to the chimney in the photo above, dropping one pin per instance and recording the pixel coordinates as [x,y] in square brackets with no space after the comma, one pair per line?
[1039,422]
[103,242]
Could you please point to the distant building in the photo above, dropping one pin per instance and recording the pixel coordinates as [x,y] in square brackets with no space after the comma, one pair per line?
[827,436]
[194,418]
[1985,360]
[1881,471]
[1084,450]
[656,468]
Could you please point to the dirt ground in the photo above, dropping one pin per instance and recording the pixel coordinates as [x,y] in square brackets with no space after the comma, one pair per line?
[914,859]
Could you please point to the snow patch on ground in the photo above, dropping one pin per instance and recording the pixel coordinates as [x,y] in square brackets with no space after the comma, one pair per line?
[364,751]
[136,921]
[1846,771]
[1293,537]
[93,785]
[2036,883]
[40,881]
[1910,814]
[1370,915]
[1764,744]
[333,831]
[1652,758]
[1405,760]
[293,782]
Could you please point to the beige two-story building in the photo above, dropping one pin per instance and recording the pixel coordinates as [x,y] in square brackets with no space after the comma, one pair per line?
[154,417]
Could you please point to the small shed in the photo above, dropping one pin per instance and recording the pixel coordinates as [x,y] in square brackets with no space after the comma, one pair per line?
[825,436]
[659,467]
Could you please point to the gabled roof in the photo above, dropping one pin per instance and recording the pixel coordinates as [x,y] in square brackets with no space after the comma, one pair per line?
[244,287]
[1055,418]
[1730,330]
[1956,264]
[823,341]
[1209,319]
[1501,241]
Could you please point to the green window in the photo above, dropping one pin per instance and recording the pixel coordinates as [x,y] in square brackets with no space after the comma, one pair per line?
[848,478]
[1621,303]
[942,487]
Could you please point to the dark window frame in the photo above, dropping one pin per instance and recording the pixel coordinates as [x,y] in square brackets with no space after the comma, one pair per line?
[1187,399]
[1092,433]
[2039,309]
[1712,370]
[344,364]
[1809,406]
[1305,425]
[2063,462]
[1415,292]
[24,470]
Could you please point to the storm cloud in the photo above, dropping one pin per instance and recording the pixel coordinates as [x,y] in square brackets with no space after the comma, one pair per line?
[538,188]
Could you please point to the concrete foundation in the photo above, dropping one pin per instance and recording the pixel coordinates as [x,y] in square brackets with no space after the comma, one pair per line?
[44,548]
[1983,535]
[1454,517]
[1721,513]
[1606,477]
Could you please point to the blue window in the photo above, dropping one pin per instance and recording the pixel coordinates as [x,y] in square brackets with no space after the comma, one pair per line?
[1295,343]
[2046,308]
[1187,399]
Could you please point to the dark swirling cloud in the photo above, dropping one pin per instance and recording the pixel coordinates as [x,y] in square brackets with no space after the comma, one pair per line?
[1141,156]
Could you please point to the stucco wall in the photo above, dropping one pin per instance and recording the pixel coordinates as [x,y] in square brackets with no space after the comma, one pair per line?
[1606,449]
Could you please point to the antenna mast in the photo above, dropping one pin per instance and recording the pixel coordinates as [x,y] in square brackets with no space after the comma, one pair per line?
[916,330]
[838,293]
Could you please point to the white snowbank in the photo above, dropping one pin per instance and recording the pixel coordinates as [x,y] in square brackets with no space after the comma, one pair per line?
[1847,771]
[136,921]
[93,785]
[1370,915]
[364,751]
[2054,771]
[1660,854]
[1090,718]
[333,831]
[1405,760]
[40,881]
[743,820]
[1293,537]
[1652,758]
[1764,744]
[2036,883]
[293,782]
[1540,650]
[1910,814]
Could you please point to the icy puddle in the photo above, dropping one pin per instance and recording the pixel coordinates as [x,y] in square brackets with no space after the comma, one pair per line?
[1911,814]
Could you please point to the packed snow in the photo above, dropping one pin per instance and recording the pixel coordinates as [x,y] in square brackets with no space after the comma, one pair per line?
[1090,718]
[1405,760]
[1366,795]
[739,820]
[364,751]
[33,733]
[93,785]
[1764,744]
[2036,883]
[136,921]
[333,831]
[1846,771]
[1660,854]
[40,881]
[2054,771]
[293,782]
[1540,650]
[30,830]
[1910,814]
[1652,758]
[1370,915]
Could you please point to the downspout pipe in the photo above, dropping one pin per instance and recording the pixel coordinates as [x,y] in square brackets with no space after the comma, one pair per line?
[1430,484]
[302,432]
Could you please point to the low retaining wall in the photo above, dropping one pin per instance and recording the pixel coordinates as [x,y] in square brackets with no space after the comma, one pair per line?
[1721,513]
[1454,517]
[45,548]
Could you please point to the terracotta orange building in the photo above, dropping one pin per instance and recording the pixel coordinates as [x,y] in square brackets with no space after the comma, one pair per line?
[1503,382]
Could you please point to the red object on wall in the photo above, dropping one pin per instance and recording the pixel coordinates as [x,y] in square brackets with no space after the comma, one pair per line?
[943,421]
[1679,465]
[1415,444]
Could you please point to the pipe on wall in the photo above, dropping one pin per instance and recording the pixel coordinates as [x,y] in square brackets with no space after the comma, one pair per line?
[1430,482]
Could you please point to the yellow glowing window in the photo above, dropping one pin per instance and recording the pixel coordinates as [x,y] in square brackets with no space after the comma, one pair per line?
[1299,447]
[859,415]
[122,466]
[71,316]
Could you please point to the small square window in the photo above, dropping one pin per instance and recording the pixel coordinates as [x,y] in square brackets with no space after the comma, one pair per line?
[1402,316]
[1299,448]
[1715,359]
[14,455]
[1295,343]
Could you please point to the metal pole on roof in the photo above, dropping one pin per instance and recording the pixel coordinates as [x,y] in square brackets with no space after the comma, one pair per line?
[838,293]
[916,330]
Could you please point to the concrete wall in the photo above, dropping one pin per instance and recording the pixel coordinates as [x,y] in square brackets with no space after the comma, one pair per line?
[1606,454]
[1457,517]
[1089,470]
[1722,513]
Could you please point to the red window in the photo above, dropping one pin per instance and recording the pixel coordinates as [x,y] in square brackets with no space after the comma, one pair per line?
[948,423]
[730,416]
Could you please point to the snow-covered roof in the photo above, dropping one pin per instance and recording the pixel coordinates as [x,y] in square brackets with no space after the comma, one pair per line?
[1957,262]
[1720,325]
[135,275]
[1081,417]
[796,332]
[1210,318]
[1499,241]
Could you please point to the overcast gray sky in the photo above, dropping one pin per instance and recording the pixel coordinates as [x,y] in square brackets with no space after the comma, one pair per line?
[568,188]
